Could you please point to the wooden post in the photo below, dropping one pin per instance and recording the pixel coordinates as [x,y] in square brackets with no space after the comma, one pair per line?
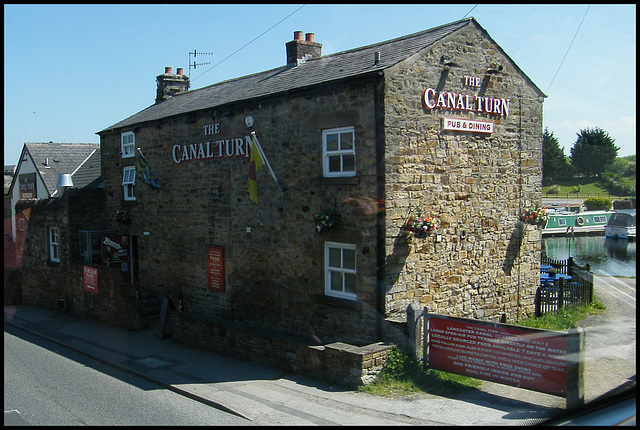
[575,368]
[413,329]
[560,294]
[538,305]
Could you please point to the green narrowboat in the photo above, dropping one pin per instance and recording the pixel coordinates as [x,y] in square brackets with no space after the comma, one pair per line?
[573,220]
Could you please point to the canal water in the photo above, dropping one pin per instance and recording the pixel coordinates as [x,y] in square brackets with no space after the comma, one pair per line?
[607,257]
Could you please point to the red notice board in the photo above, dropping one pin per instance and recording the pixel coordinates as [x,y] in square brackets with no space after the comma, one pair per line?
[90,279]
[511,355]
[215,267]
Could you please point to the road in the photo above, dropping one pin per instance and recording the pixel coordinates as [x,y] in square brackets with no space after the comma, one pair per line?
[47,384]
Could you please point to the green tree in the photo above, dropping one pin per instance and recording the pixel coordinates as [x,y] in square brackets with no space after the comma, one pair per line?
[593,152]
[554,162]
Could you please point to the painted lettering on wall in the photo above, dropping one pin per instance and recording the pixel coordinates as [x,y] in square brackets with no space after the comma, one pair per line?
[236,147]
[432,99]
[211,129]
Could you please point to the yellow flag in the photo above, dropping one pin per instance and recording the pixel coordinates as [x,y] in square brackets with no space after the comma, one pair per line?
[255,163]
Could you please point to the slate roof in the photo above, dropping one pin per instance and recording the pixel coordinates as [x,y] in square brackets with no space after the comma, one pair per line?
[328,68]
[89,173]
[346,64]
[63,158]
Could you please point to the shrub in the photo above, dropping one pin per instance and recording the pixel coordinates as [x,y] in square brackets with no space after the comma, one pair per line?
[554,190]
[597,203]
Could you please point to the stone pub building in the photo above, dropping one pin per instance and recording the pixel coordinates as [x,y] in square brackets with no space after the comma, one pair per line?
[440,123]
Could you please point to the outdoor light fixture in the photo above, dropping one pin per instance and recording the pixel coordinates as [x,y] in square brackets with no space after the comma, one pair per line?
[64,182]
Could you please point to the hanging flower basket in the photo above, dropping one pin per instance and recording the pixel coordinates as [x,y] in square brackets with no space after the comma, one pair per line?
[419,226]
[326,221]
[537,216]
[122,216]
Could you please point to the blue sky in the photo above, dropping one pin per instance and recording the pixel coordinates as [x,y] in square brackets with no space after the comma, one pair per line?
[73,70]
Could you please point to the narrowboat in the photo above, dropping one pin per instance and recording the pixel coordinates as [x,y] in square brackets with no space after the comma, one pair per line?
[573,220]
[621,225]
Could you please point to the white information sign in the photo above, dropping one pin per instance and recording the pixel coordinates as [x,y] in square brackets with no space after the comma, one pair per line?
[458,124]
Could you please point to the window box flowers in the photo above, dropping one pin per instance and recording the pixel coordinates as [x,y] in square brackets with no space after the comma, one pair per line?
[536,216]
[326,221]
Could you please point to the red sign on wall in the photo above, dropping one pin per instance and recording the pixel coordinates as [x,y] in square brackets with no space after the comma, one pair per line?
[90,279]
[510,355]
[215,267]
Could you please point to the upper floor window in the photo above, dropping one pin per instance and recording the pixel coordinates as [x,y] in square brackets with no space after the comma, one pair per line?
[338,152]
[128,144]
[54,246]
[129,182]
[340,270]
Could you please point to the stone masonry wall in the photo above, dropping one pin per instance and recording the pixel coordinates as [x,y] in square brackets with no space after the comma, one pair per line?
[274,274]
[482,259]
[43,282]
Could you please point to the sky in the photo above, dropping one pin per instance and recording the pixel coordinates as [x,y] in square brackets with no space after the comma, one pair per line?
[71,71]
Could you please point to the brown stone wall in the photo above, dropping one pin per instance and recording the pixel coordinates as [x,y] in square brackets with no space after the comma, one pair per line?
[274,274]
[337,362]
[43,282]
[476,185]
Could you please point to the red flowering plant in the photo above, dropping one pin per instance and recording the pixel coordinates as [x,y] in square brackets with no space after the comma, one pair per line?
[420,226]
[536,216]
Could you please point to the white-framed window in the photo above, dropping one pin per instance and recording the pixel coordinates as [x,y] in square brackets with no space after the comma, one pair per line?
[340,270]
[562,222]
[128,143]
[600,219]
[54,245]
[339,152]
[129,182]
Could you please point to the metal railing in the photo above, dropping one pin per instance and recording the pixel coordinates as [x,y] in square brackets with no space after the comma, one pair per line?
[564,293]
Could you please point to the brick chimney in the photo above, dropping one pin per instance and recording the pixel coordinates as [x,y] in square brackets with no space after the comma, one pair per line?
[298,50]
[170,85]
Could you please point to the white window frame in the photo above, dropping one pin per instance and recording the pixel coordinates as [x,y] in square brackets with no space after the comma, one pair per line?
[54,244]
[341,153]
[562,222]
[128,148]
[600,219]
[129,183]
[329,270]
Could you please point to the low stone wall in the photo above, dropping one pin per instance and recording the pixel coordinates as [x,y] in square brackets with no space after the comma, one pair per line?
[338,362]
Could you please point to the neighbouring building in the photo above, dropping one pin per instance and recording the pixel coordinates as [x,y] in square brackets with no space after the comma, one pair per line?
[36,178]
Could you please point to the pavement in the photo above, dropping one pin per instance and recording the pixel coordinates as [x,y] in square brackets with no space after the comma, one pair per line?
[268,396]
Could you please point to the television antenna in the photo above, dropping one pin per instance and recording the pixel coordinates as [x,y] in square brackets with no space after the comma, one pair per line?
[195,65]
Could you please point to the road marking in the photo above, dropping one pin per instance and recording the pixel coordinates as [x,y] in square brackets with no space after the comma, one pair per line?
[620,291]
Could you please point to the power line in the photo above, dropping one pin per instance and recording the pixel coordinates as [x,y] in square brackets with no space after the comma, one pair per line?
[470,11]
[247,44]
[565,55]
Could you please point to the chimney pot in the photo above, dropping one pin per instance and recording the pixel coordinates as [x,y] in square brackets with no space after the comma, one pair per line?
[297,35]
[167,70]
[309,37]
[180,70]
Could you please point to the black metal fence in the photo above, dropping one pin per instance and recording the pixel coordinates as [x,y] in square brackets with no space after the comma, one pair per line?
[563,293]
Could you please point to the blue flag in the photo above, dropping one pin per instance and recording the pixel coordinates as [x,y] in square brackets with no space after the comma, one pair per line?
[144,173]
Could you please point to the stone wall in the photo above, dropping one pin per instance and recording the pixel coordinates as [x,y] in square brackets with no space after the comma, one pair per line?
[43,283]
[274,274]
[338,362]
[482,259]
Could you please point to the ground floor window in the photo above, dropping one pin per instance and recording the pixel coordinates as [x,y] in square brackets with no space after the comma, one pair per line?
[340,270]
[54,246]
